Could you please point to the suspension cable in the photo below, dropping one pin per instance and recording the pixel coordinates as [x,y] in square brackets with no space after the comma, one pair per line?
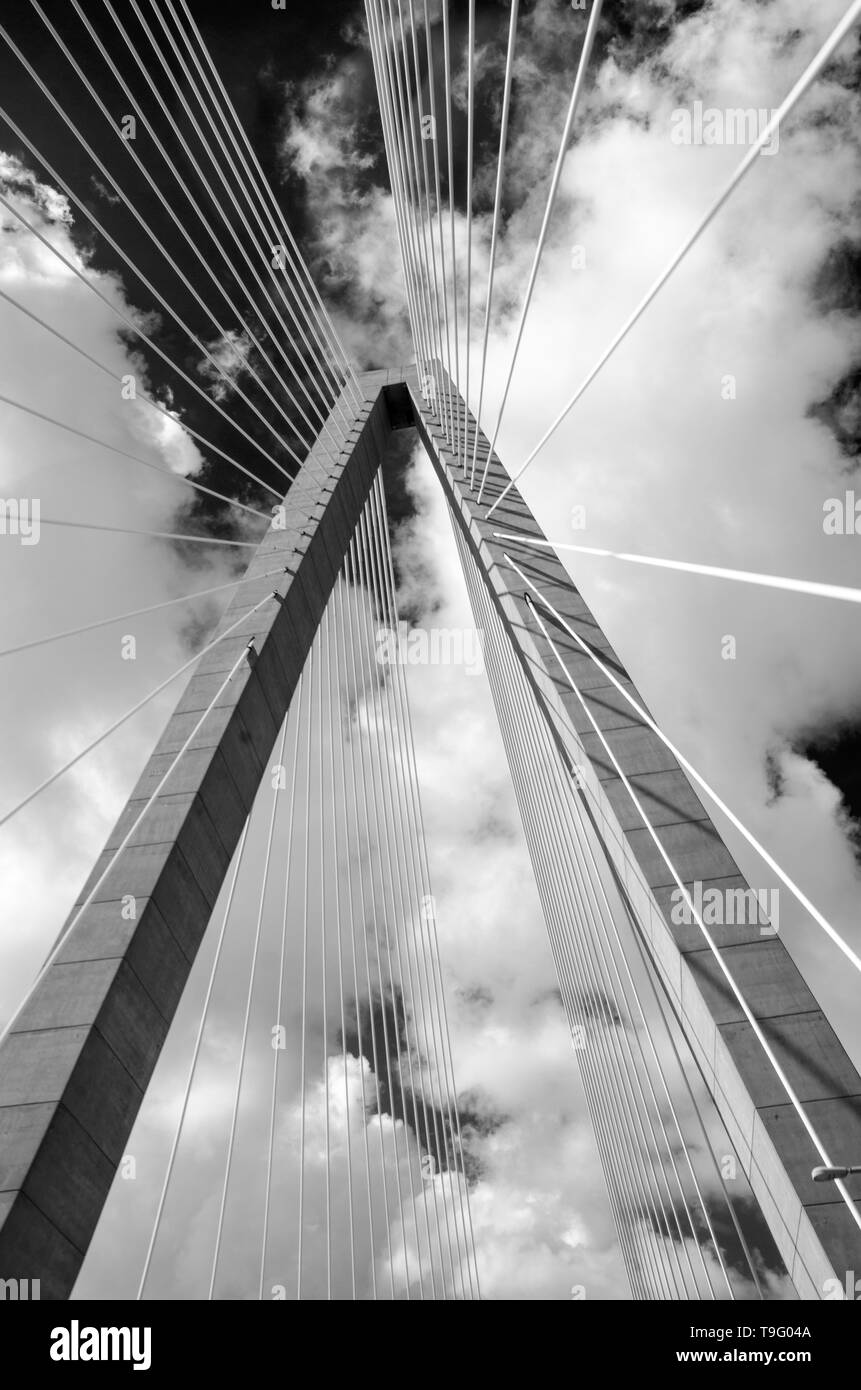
[851,17]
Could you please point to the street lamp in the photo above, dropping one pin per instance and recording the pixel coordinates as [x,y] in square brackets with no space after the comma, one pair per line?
[832,1174]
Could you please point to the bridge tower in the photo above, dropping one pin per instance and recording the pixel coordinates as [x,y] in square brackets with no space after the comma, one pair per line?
[76,1062]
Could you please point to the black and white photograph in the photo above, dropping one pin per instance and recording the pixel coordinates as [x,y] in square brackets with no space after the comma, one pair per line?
[430,670]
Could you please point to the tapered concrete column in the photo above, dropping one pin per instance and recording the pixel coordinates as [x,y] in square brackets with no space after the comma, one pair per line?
[74,1069]
[812,1226]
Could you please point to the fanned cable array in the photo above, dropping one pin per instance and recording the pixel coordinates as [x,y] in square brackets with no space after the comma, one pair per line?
[343,1117]
[434,203]
[684,1230]
[359,1161]
[234,292]
[645,1101]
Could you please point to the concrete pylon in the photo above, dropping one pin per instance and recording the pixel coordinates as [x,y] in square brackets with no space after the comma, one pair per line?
[77,1061]
[76,1064]
[813,1228]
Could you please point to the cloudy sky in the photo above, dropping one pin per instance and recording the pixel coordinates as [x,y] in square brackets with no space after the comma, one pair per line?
[660,460]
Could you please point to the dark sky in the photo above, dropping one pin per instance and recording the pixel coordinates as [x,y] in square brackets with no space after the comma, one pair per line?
[258,52]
